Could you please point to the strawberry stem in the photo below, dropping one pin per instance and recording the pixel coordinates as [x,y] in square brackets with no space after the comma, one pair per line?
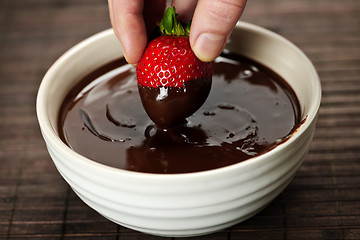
[169,25]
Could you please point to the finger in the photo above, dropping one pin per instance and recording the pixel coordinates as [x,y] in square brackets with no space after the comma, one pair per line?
[185,9]
[127,18]
[212,25]
[129,26]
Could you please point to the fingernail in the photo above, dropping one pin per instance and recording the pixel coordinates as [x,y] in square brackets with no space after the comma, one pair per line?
[127,59]
[208,46]
[125,56]
[135,55]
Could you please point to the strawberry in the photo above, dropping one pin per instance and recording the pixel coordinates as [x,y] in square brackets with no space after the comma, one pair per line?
[173,83]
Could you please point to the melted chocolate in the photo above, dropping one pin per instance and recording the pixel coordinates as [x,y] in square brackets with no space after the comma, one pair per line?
[249,111]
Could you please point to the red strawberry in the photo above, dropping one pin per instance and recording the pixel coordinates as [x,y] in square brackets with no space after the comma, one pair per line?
[173,83]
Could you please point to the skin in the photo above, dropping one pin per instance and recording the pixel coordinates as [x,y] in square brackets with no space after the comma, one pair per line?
[212,23]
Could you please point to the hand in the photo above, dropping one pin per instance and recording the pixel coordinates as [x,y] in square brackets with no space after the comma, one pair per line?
[212,23]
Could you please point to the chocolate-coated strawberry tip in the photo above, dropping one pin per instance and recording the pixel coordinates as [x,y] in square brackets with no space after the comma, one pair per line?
[168,107]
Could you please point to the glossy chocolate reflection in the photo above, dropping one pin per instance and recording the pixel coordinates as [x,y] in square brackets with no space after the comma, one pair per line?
[249,111]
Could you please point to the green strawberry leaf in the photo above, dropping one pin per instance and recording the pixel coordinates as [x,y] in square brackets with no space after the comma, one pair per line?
[169,25]
[187,28]
[168,20]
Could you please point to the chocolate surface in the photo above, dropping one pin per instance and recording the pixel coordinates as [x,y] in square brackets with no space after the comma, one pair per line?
[249,111]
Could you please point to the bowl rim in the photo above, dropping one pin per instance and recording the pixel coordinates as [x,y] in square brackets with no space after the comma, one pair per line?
[51,134]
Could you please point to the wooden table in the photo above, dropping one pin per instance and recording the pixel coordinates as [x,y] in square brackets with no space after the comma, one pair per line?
[322,201]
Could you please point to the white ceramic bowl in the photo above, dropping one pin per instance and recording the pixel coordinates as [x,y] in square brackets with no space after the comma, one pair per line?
[181,204]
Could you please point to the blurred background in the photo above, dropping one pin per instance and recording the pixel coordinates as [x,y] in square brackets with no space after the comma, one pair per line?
[322,201]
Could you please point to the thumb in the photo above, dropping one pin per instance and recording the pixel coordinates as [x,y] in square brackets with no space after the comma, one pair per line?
[212,24]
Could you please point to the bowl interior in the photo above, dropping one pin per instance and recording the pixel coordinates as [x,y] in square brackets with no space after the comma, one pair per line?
[284,58]
[249,40]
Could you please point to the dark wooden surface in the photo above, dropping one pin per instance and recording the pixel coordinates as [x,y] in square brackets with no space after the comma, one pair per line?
[323,200]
